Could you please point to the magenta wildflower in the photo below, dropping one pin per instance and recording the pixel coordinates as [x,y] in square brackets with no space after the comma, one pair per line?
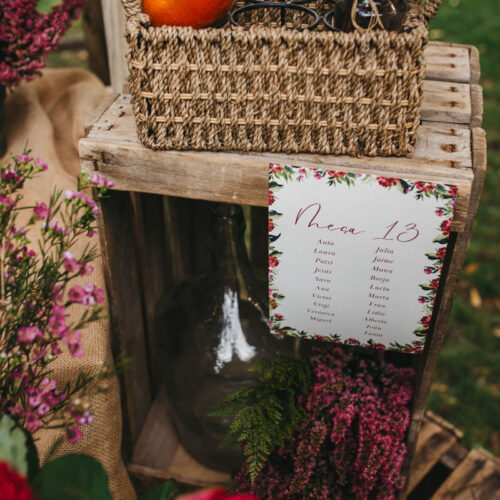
[41,211]
[28,334]
[73,434]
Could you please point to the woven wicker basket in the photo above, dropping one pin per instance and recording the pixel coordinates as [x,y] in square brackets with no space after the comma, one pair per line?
[274,88]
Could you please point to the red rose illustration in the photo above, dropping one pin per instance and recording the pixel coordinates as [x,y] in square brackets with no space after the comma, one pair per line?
[434,284]
[273,261]
[453,191]
[271,198]
[217,494]
[13,486]
[271,225]
[445,226]
[441,253]
[439,212]
[424,186]
[279,317]
[426,321]
[387,181]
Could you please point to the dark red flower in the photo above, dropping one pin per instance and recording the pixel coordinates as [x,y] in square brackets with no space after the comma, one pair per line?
[426,321]
[387,181]
[13,486]
[441,253]
[445,226]
[217,494]
[453,191]
[271,198]
[424,186]
[434,284]
[271,225]
[273,261]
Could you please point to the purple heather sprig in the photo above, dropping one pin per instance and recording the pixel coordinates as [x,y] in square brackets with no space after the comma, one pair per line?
[351,444]
[27,36]
[37,293]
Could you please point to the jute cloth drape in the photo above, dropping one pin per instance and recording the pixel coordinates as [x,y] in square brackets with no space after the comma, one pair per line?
[50,113]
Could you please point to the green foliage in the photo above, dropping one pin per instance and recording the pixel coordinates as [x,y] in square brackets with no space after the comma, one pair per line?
[164,491]
[44,6]
[265,415]
[72,477]
[13,447]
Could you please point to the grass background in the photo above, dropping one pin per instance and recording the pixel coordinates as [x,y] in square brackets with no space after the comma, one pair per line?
[467,389]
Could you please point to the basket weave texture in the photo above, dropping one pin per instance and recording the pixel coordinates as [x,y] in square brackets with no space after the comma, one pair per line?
[279,89]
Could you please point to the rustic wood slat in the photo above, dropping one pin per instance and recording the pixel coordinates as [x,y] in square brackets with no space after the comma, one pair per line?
[446,102]
[476,478]
[447,63]
[159,451]
[125,303]
[433,442]
[442,154]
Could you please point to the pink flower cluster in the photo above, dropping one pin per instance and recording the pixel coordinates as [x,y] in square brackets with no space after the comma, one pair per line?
[26,36]
[41,400]
[351,444]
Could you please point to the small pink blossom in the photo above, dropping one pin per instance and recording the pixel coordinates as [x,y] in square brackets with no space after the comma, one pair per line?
[73,434]
[76,294]
[70,263]
[41,211]
[28,334]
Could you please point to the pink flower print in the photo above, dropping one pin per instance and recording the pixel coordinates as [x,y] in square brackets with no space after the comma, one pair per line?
[421,300]
[317,175]
[439,212]
[279,317]
[41,211]
[428,270]
[270,226]
[302,171]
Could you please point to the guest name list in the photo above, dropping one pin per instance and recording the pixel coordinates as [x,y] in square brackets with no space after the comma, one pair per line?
[350,255]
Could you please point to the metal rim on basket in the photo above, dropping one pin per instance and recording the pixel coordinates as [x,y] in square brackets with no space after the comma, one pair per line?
[283,6]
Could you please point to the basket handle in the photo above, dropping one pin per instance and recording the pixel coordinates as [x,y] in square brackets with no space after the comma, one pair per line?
[429,9]
[132,8]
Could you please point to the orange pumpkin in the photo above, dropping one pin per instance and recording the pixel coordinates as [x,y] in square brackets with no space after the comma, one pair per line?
[195,13]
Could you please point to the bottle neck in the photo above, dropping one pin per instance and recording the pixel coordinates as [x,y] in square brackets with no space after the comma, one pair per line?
[229,253]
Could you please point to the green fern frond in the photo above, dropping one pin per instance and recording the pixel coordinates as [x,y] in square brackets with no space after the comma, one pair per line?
[265,415]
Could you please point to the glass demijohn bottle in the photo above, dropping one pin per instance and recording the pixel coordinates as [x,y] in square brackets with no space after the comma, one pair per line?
[209,332]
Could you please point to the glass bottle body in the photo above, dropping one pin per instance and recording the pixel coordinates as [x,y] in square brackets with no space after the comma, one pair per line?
[210,331]
[391,14]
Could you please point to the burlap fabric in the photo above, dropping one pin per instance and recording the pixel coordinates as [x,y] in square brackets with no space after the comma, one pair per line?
[50,113]
[264,87]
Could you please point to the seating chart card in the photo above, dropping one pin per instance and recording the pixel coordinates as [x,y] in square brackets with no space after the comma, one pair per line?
[355,258]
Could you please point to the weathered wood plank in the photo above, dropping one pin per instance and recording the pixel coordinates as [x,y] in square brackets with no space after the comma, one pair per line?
[125,294]
[446,102]
[442,153]
[158,452]
[447,63]
[433,442]
[477,477]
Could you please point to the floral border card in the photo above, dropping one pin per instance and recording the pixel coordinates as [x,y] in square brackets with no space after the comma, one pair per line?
[355,258]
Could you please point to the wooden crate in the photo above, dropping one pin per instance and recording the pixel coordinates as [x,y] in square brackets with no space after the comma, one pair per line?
[451,148]
[443,469]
